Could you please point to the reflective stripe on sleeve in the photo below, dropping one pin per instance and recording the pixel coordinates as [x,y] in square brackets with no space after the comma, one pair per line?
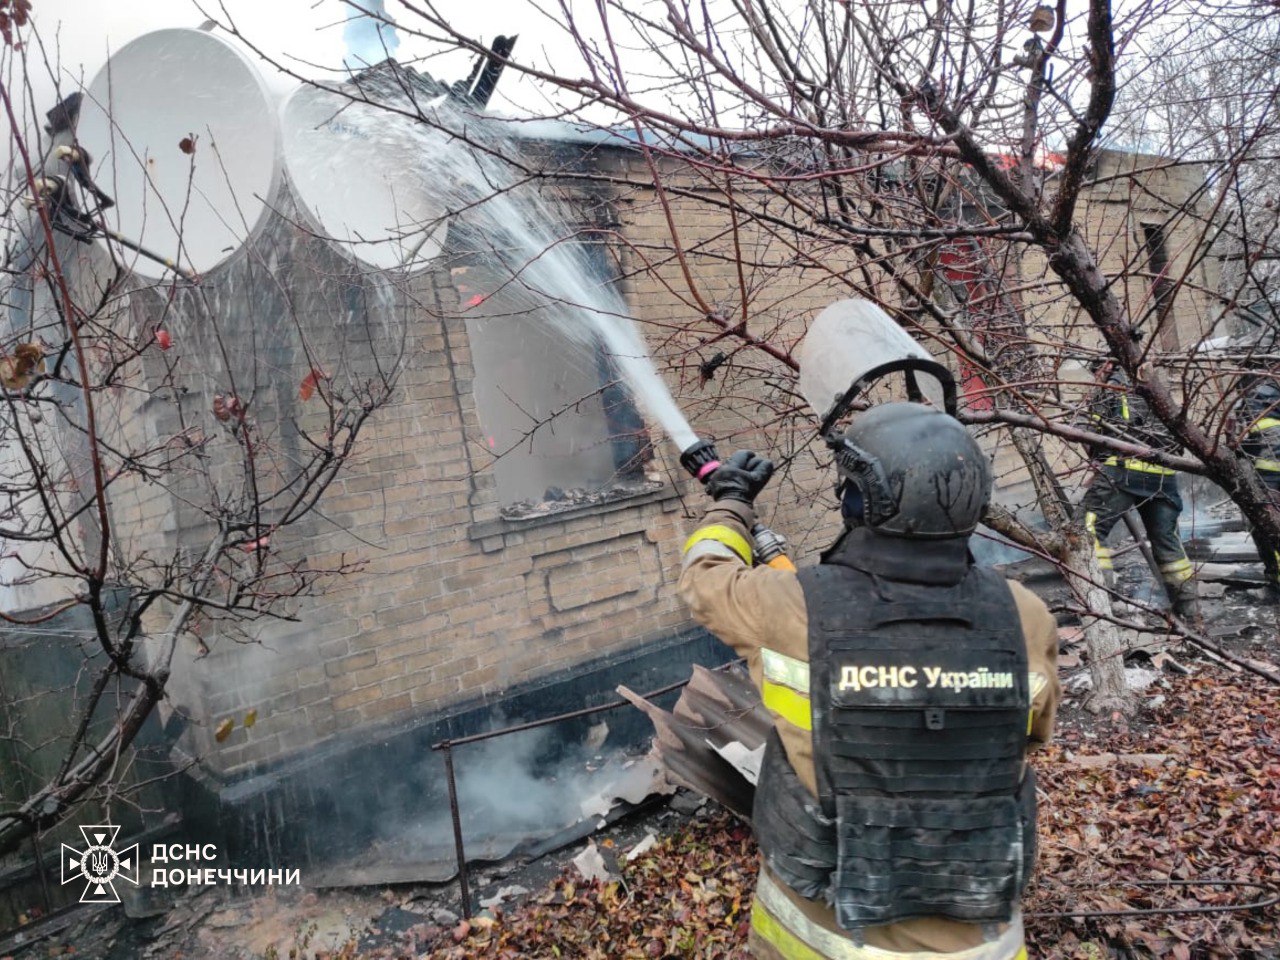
[707,548]
[1264,423]
[1271,466]
[1036,682]
[719,533]
[776,919]
[788,671]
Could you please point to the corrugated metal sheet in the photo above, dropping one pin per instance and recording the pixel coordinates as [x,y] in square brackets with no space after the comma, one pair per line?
[712,738]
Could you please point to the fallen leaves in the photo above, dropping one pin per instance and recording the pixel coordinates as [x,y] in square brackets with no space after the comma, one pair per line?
[686,895]
[1194,796]
[1208,808]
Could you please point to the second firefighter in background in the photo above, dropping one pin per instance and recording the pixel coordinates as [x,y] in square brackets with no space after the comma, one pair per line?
[1120,484]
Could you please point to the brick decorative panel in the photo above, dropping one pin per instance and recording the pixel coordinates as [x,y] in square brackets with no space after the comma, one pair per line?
[584,577]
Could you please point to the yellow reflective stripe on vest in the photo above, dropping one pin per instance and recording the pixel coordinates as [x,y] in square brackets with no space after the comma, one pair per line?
[730,537]
[777,920]
[1264,423]
[1271,466]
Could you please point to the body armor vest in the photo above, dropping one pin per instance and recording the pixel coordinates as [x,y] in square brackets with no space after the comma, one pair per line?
[920,703]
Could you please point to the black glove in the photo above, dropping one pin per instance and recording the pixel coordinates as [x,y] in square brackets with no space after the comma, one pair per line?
[740,478]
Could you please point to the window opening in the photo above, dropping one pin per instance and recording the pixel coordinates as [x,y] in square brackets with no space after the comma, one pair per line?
[563,427]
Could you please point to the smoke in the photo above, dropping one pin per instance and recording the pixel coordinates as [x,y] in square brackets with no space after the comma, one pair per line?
[990,549]
[513,791]
[509,788]
[536,245]
[368,38]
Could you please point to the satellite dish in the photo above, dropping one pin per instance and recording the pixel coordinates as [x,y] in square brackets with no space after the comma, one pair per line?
[359,172]
[166,87]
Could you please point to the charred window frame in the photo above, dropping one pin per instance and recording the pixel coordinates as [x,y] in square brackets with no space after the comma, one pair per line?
[563,426]
[632,446]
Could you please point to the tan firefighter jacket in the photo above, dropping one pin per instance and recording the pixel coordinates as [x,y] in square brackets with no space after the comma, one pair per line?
[760,612]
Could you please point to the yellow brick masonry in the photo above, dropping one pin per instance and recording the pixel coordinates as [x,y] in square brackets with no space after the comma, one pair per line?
[433,619]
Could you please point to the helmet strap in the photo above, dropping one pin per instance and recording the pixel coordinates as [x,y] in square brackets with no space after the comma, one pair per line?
[866,471]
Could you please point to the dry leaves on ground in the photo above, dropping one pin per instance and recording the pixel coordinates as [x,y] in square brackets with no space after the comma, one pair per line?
[1210,809]
[689,896]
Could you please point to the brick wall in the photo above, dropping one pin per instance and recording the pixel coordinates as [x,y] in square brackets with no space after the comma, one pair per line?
[456,602]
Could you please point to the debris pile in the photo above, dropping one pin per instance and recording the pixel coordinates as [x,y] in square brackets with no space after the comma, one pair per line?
[558,500]
[1192,794]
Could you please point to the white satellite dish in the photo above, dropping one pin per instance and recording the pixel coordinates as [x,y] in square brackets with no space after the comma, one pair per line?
[164,87]
[359,172]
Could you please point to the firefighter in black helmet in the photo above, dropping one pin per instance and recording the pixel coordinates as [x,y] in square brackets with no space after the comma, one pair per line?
[894,808]
[1123,483]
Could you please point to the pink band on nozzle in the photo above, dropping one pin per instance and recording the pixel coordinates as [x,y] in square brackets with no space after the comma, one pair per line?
[708,469]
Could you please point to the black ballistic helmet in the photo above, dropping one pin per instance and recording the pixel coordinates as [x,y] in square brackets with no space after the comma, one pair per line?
[920,473]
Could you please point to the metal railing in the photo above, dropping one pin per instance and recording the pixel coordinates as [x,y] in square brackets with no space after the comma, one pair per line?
[447,746]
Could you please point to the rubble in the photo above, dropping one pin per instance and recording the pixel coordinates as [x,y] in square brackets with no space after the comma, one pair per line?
[590,864]
[644,846]
[557,500]
[503,893]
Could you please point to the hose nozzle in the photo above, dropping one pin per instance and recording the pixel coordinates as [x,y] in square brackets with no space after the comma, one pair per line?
[700,459]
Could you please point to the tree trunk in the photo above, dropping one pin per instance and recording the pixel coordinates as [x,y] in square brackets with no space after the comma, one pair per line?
[1101,636]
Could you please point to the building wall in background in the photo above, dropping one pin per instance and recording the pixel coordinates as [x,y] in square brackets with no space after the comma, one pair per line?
[457,600]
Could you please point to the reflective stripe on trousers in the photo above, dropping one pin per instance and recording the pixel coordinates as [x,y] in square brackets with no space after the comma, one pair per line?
[1179,571]
[775,919]
[1102,552]
[1139,466]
